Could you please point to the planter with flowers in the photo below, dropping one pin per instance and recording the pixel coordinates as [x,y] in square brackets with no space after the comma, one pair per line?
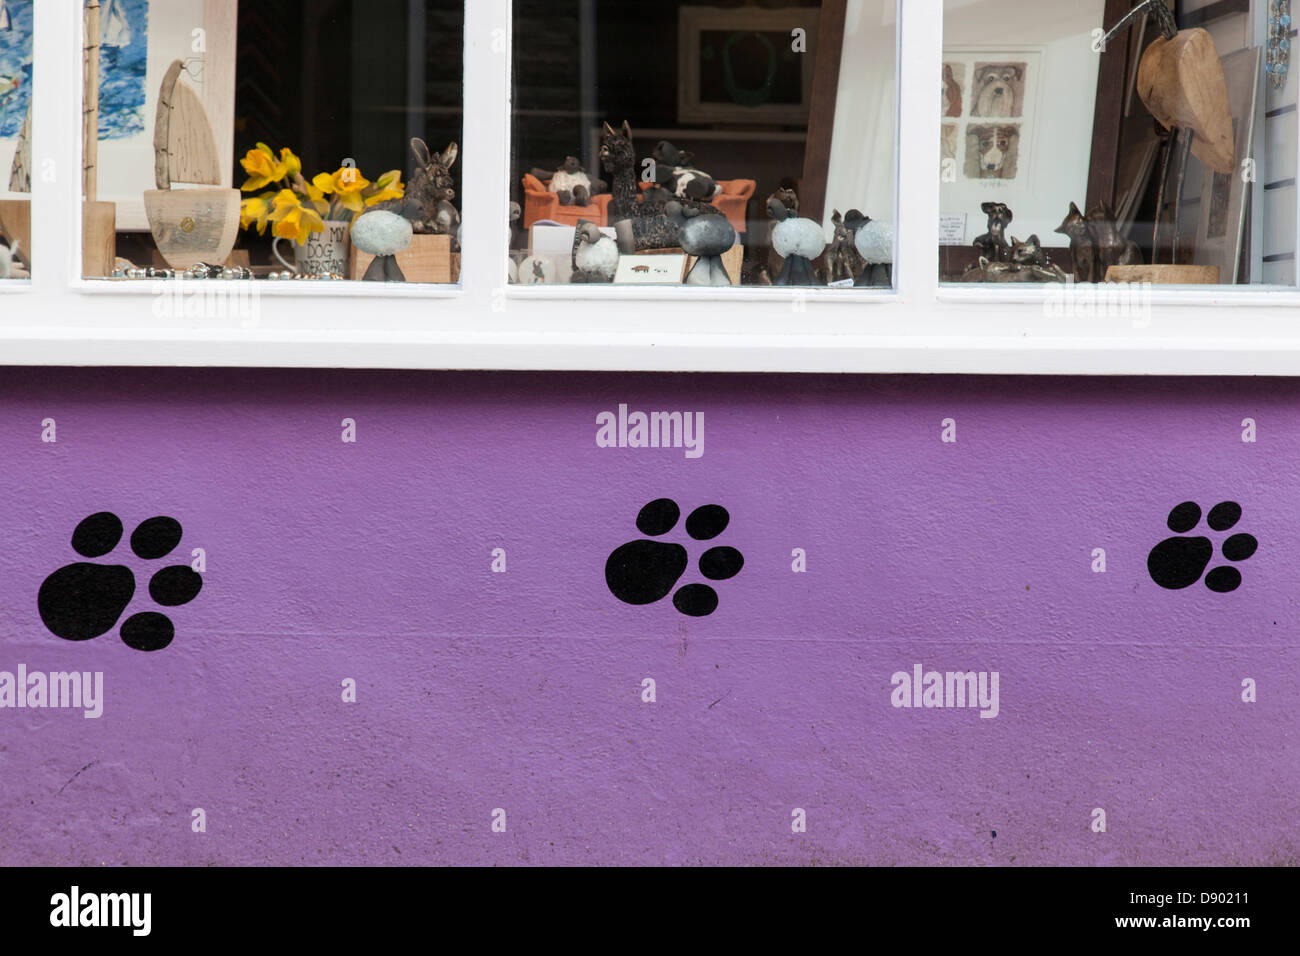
[314,216]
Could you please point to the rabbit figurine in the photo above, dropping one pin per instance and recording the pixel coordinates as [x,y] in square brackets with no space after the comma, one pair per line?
[432,189]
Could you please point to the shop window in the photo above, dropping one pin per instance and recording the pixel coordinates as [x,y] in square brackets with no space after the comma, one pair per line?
[16,50]
[288,140]
[1082,142]
[706,146]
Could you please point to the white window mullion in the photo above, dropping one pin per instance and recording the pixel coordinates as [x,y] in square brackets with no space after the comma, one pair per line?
[486,173]
[56,152]
[920,64]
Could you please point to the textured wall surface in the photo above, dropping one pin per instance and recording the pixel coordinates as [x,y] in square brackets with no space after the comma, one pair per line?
[476,690]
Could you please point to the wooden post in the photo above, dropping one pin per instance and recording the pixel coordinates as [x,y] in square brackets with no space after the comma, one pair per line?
[90,105]
[821,120]
[1108,113]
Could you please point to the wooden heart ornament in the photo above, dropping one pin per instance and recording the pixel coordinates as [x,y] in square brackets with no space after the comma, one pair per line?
[1181,82]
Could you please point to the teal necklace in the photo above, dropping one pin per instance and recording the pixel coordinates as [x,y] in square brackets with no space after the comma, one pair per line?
[748,97]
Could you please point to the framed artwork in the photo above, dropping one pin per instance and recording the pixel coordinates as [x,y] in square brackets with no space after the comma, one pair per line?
[15,83]
[139,40]
[987,100]
[993,109]
[741,65]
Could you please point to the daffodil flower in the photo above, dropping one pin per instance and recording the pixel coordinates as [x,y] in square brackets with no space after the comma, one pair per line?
[388,186]
[261,167]
[255,209]
[292,219]
[291,164]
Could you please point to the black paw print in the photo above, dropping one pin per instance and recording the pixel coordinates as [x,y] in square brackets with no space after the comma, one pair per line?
[1179,562]
[82,601]
[643,572]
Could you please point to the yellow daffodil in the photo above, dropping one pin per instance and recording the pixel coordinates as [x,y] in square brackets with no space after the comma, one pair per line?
[298,207]
[292,164]
[255,209]
[261,167]
[346,185]
[388,186]
[316,195]
[292,219]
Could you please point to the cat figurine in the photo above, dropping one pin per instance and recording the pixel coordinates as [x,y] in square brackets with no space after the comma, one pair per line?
[1112,248]
[1083,247]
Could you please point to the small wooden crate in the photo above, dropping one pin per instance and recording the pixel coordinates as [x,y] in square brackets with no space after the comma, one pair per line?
[1165,274]
[98,233]
[426,259]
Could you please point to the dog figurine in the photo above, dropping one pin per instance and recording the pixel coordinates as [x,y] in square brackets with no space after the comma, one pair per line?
[993,244]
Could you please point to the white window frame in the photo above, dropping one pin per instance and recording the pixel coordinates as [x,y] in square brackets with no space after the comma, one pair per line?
[58,318]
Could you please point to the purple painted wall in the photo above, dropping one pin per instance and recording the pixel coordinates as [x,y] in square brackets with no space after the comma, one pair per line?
[523,690]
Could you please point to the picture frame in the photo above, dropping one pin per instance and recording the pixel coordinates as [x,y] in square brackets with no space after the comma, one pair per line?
[16,69]
[703,77]
[126,164]
[1006,136]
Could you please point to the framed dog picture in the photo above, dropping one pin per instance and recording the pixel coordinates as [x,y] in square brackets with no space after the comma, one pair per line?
[988,100]
[997,103]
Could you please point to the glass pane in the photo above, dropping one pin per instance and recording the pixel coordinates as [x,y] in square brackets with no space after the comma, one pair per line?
[1080,146]
[277,140]
[15,138]
[720,146]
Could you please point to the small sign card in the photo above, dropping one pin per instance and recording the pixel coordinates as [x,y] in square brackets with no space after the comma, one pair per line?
[952,229]
[667,269]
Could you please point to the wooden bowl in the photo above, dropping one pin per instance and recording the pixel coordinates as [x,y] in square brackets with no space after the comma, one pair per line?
[193,225]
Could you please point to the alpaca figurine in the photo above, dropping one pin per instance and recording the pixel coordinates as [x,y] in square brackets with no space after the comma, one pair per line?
[618,156]
[642,225]
[844,260]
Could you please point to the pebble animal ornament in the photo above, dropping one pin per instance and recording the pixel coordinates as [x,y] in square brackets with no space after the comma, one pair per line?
[595,255]
[707,238]
[798,241]
[382,234]
[875,243]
